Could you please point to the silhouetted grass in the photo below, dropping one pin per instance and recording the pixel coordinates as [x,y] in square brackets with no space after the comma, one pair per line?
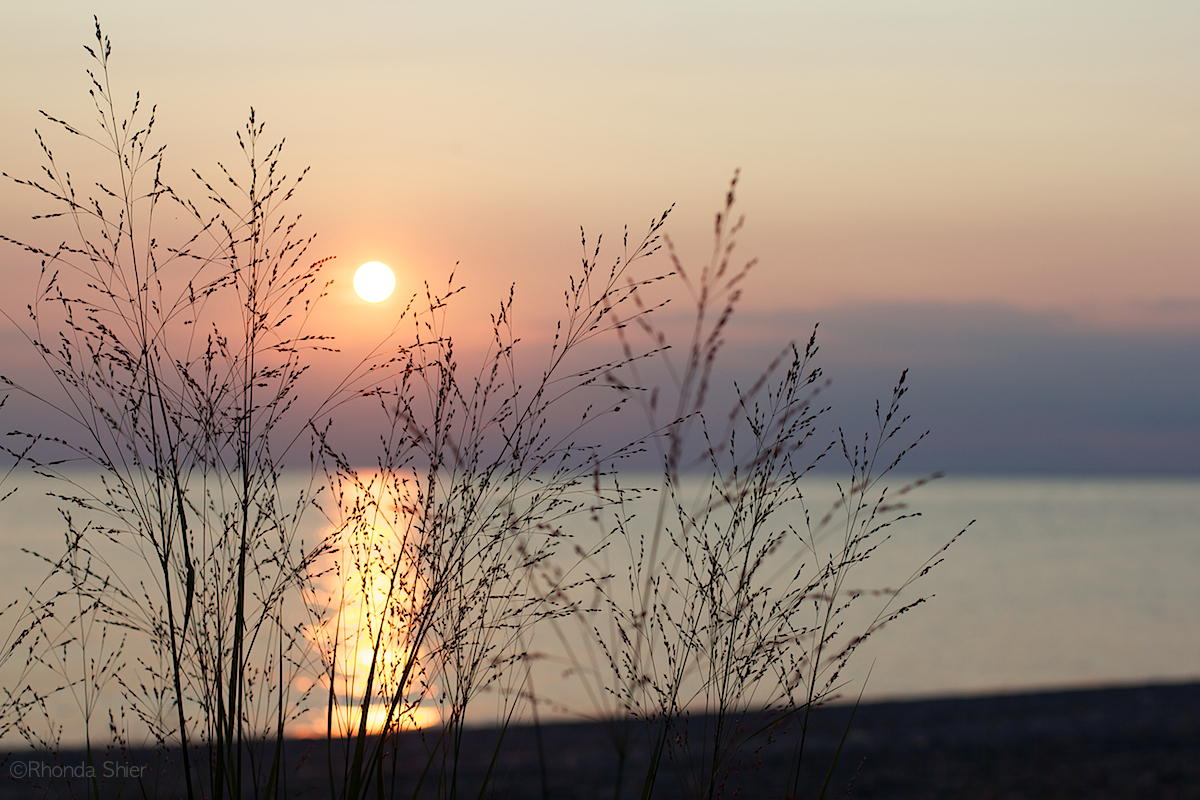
[495,528]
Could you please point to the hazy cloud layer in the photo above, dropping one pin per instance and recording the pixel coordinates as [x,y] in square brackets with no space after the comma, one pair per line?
[1003,390]
[1014,391]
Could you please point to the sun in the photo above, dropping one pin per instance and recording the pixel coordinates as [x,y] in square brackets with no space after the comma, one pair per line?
[374,281]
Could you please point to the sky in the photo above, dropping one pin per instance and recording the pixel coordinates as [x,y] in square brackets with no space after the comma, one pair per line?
[1000,196]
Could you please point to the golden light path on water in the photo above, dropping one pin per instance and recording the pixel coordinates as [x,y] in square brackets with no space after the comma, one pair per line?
[370,603]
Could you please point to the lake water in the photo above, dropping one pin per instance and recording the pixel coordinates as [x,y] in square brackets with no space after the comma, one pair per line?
[1061,582]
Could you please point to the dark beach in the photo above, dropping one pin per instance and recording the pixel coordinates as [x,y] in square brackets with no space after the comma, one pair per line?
[1127,742]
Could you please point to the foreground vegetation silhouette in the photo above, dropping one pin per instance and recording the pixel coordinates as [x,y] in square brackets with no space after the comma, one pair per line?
[499,532]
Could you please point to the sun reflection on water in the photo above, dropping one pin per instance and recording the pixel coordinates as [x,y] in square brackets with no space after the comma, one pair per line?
[371,602]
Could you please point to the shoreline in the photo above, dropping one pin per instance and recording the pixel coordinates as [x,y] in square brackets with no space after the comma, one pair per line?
[1118,741]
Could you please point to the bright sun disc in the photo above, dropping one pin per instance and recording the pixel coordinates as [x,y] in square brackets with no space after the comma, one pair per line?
[374,281]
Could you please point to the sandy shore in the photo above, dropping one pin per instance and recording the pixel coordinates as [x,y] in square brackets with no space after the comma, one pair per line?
[1131,742]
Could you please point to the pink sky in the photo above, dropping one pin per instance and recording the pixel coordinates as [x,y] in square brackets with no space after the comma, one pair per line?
[1026,158]
[1019,154]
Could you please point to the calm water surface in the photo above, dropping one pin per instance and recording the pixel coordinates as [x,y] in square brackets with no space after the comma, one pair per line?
[1061,582]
